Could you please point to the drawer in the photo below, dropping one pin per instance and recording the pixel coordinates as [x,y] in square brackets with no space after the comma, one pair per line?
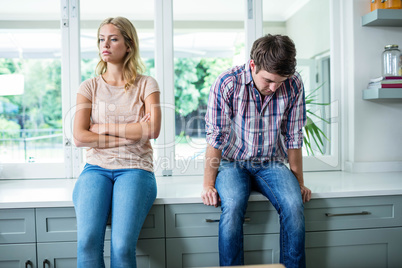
[18,255]
[188,220]
[150,253]
[59,224]
[364,248]
[204,252]
[56,224]
[353,213]
[17,226]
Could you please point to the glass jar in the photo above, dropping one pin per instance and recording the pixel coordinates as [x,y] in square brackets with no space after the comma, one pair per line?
[391,63]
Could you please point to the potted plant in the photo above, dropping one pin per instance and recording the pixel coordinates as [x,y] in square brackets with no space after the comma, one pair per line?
[312,133]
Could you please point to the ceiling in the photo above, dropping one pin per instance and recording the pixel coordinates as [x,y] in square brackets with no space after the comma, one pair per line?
[19,42]
[233,10]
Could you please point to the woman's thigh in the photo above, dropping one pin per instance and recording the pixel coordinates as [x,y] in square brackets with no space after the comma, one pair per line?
[92,200]
[134,192]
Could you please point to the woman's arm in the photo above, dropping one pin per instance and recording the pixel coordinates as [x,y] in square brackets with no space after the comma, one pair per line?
[148,128]
[83,137]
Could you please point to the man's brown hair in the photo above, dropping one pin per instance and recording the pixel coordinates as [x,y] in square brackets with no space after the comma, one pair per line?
[275,54]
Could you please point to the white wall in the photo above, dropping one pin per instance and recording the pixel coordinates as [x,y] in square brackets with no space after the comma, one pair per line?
[309,29]
[372,129]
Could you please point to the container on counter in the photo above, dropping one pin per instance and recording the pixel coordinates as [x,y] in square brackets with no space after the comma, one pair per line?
[391,61]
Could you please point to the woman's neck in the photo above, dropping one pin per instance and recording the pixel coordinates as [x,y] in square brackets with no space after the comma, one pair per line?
[114,75]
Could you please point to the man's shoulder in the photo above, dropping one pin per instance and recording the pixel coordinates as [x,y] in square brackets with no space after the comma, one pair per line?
[296,79]
[232,73]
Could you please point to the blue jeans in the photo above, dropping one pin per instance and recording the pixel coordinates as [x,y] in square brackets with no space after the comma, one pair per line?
[234,182]
[129,195]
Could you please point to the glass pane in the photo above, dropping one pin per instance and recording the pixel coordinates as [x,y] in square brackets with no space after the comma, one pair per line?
[307,23]
[207,41]
[142,19]
[30,83]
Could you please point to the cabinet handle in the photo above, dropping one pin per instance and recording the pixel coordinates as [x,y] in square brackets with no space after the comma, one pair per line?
[211,220]
[246,219]
[28,263]
[46,262]
[347,214]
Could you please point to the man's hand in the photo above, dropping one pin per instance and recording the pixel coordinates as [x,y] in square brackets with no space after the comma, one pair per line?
[306,193]
[210,196]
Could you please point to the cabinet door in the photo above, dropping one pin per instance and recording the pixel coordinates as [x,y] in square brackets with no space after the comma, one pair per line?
[60,224]
[17,226]
[150,253]
[203,251]
[18,256]
[353,213]
[189,220]
[56,225]
[60,255]
[368,248]
[192,252]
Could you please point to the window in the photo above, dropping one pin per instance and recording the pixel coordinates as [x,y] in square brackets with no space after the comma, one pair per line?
[47,48]
[308,24]
[206,43]
[31,117]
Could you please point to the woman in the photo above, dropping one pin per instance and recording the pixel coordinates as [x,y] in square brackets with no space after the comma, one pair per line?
[117,113]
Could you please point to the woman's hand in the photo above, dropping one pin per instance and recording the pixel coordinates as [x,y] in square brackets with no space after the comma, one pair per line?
[98,128]
[146,118]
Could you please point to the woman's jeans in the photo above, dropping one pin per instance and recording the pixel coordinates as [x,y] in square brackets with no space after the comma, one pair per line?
[128,194]
[234,182]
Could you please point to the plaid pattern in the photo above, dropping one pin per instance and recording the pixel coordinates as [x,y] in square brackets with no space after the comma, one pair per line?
[247,128]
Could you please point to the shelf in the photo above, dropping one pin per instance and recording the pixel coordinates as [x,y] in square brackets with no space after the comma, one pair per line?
[383,17]
[382,93]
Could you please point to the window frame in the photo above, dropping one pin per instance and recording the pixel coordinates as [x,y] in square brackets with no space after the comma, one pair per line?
[167,165]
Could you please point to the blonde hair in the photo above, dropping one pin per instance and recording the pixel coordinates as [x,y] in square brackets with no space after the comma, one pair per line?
[133,64]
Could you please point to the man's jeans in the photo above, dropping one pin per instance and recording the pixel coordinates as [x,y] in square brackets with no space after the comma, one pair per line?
[234,182]
[130,194]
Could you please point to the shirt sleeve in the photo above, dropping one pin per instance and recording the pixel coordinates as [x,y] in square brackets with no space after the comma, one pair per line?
[85,90]
[217,117]
[295,119]
[151,86]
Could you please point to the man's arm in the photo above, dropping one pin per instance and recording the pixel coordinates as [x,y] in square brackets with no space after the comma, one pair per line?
[296,166]
[209,194]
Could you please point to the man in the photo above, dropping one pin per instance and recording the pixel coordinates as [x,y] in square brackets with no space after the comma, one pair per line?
[256,113]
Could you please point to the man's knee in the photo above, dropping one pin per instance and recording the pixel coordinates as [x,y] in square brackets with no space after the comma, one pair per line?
[233,210]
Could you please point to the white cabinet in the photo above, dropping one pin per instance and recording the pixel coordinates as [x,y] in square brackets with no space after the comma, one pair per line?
[360,248]
[17,238]
[50,238]
[192,235]
[354,232]
[340,232]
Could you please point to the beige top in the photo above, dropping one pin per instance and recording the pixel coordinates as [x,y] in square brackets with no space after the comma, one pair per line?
[110,104]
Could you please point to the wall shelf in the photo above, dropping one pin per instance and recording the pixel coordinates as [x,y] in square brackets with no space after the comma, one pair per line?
[383,17]
[382,93]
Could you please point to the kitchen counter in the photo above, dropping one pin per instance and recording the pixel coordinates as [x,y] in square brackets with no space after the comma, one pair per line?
[187,189]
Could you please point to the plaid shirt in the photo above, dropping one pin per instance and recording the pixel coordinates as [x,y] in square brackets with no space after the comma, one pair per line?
[244,127]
